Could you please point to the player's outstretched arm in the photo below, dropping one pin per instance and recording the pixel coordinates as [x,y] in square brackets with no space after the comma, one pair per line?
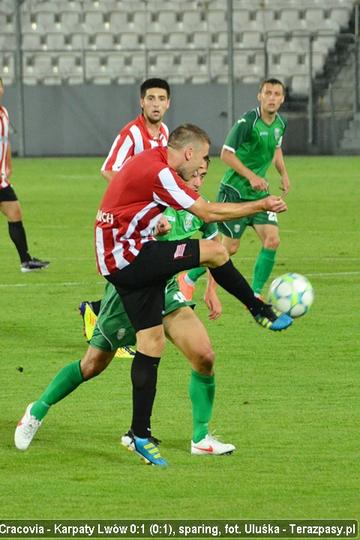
[211,212]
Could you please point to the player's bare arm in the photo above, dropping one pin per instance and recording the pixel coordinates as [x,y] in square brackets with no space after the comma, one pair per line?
[281,168]
[230,158]
[8,162]
[211,212]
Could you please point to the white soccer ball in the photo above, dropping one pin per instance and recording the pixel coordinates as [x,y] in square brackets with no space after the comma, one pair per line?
[292,294]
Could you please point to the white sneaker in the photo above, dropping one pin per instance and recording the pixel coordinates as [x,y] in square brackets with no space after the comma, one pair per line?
[211,446]
[26,429]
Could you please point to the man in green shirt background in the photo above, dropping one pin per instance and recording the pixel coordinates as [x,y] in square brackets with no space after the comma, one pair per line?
[253,143]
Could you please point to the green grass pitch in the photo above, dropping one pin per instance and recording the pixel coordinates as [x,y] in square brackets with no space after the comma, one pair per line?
[289,401]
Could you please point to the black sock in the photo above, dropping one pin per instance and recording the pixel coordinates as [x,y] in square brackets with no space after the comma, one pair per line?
[96,304]
[234,283]
[18,236]
[143,377]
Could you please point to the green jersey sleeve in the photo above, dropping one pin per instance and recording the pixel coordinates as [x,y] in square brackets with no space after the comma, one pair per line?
[240,132]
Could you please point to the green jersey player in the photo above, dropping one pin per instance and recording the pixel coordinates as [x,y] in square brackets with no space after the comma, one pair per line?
[113,330]
[252,145]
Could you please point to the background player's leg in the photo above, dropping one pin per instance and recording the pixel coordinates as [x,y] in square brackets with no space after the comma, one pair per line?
[269,236]
[12,211]
[188,334]
[64,382]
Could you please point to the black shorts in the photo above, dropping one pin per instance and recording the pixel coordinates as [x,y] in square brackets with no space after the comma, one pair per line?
[141,285]
[7,194]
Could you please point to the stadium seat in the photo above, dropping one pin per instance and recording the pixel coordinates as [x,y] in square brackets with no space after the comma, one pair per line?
[136,67]
[102,41]
[154,40]
[54,41]
[70,21]
[341,15]
[199,40]
[71,69]
[7,68]
[166,65]
[291,19]
[218,66]
[33,42]
[179,40]
[97,69]
[118,22]
[299,86]
[137,21]
[94,21]
[324,42]
[251,39]
[216,21]
[316,19]
[7,42]
[41,67]
[193,66]
[162,22]
[193,21]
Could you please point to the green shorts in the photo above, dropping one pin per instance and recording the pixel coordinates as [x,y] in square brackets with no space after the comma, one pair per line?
[236,227]
[113,328]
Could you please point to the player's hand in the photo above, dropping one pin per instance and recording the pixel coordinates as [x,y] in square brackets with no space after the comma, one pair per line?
[258,183]
[213,303]
[162,227]
[285,185]
[274,204]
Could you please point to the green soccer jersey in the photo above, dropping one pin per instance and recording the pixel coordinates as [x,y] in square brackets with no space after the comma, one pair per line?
[254,143]
[184,225]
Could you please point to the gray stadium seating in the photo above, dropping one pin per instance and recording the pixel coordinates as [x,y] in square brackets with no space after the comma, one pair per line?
[109,40]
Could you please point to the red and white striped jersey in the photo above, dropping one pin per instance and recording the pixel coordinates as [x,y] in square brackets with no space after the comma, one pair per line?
[4,145]
[133,139]
[131,206]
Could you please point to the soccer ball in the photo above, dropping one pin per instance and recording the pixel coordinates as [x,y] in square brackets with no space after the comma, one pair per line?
[292,294]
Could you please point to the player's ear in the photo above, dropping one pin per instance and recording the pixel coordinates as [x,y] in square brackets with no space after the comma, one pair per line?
[188,152]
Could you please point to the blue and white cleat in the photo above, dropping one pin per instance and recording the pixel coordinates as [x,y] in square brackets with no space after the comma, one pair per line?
[272,319]
[150,453]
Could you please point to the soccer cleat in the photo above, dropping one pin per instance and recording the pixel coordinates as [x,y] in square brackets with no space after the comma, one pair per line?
[26,429]
[149,452]
[127,440]
[186,289]
[33,264]
[89,319]
[210,446]
[273,320]
[125,352]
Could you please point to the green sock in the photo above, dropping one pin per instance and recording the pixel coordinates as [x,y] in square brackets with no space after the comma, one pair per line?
[64,382]
[195,273]
[263,268]
[202,393]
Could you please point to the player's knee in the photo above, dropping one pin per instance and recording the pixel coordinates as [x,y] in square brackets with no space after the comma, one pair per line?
[220,254]
[205,361]
[93,363]
[272,242]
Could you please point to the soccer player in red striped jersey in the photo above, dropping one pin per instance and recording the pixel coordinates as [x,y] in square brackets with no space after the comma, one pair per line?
[138,266]
[145,132]
[9,204]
